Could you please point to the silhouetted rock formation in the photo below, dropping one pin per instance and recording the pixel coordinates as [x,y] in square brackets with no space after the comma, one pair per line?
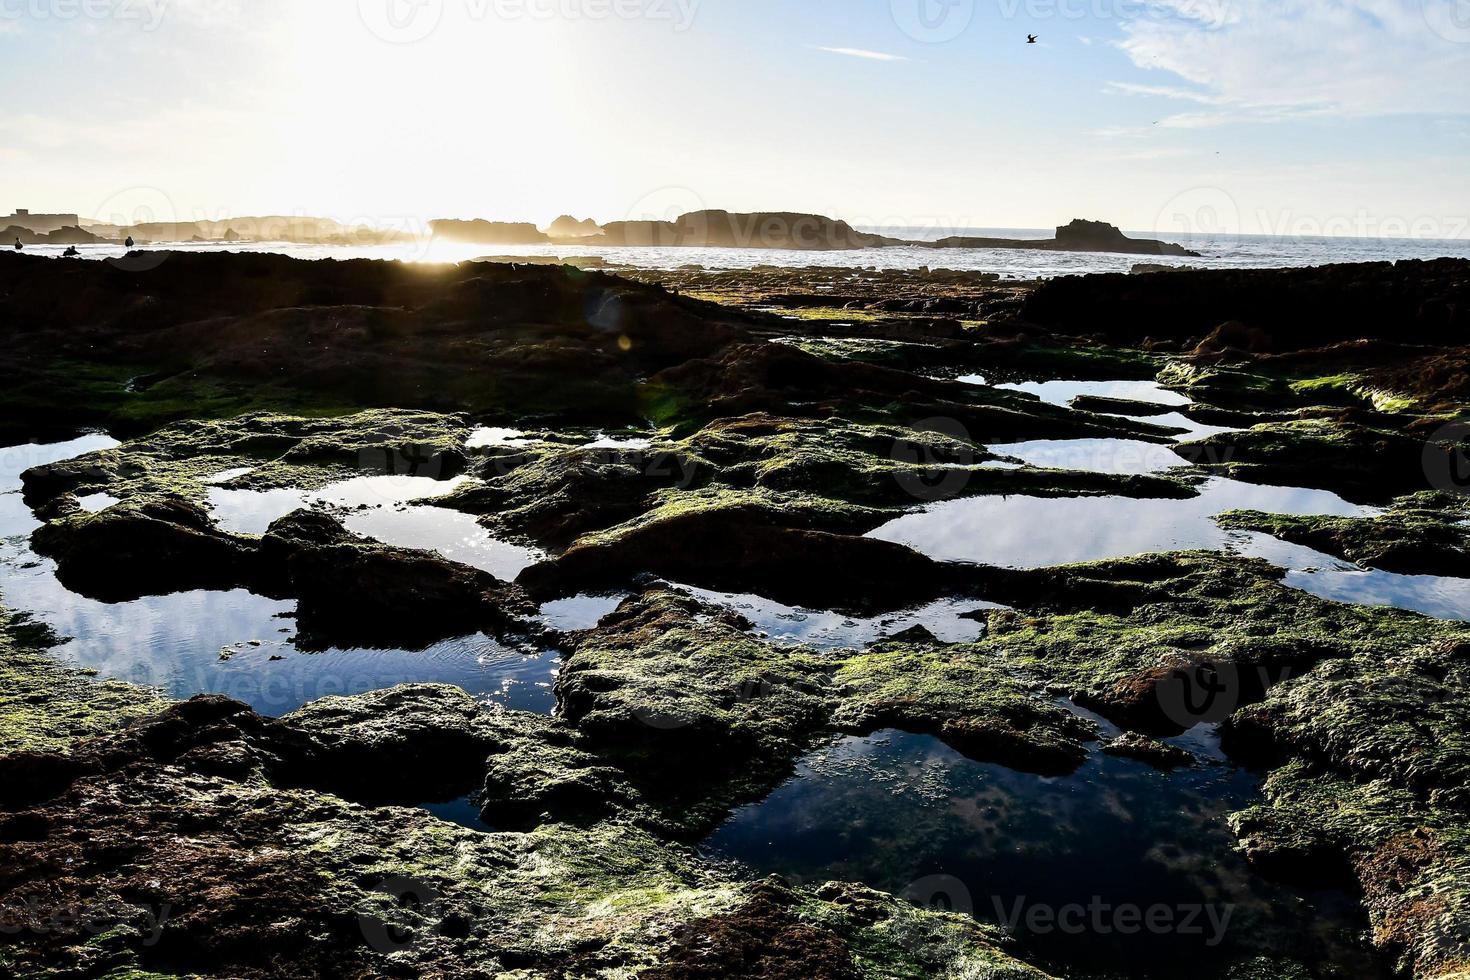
[298,229]
[1270,310]
[61,236]
[762,229]
[482,232]
[1077,235]
[569,228]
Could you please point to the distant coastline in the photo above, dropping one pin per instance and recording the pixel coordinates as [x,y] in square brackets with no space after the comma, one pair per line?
[779,230]
[698,229]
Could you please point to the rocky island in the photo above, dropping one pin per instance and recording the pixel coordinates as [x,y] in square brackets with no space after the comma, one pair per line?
[1077,236]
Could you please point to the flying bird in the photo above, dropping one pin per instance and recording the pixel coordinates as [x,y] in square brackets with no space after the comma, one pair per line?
[1030,38]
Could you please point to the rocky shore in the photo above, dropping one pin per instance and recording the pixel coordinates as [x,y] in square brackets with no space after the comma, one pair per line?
[672,439]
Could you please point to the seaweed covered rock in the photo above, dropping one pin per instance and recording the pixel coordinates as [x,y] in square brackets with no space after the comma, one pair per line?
[187,856]
[1409,860]
[405,744]
[1291,309]
[680,714]
[560,494]
[263,450]
[150,545]
[1162,643]
[1160,755]
[46,706]
[965,697]
[744,545]
[215,335]
[779,379]
[1421,534]
[352,591]
[1370,465]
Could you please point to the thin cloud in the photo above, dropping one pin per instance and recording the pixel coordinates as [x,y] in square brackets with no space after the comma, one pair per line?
[862,53]
[1168,92]
[1272,59]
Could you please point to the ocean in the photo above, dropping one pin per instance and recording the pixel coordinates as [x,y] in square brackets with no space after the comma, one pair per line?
[1217,252]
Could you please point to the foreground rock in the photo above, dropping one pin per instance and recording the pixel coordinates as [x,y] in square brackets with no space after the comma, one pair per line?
[172,848]
[1422,534]
[156,545]
[219,334]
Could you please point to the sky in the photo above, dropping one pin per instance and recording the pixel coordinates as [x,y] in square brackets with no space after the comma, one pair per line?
[1176,116]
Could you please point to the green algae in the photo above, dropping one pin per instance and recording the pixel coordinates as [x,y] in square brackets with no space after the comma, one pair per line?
[46,706]
[280,451]
[969,700]
[1354,388]
[1418,534]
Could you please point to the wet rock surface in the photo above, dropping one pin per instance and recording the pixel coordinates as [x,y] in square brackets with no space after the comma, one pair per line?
[746,447]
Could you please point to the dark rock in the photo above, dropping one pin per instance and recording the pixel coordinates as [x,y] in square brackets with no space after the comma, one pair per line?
[1160,755]
[1077,235]
[482,232]
[150,546]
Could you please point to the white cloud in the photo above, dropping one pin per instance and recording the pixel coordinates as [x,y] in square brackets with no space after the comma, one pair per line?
[1265,58]
[861,53]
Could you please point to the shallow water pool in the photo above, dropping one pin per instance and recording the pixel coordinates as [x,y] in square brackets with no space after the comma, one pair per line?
[235,642]
[1032,532]
[1062,392]
[1119,456]
[907,814]
[826,630]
